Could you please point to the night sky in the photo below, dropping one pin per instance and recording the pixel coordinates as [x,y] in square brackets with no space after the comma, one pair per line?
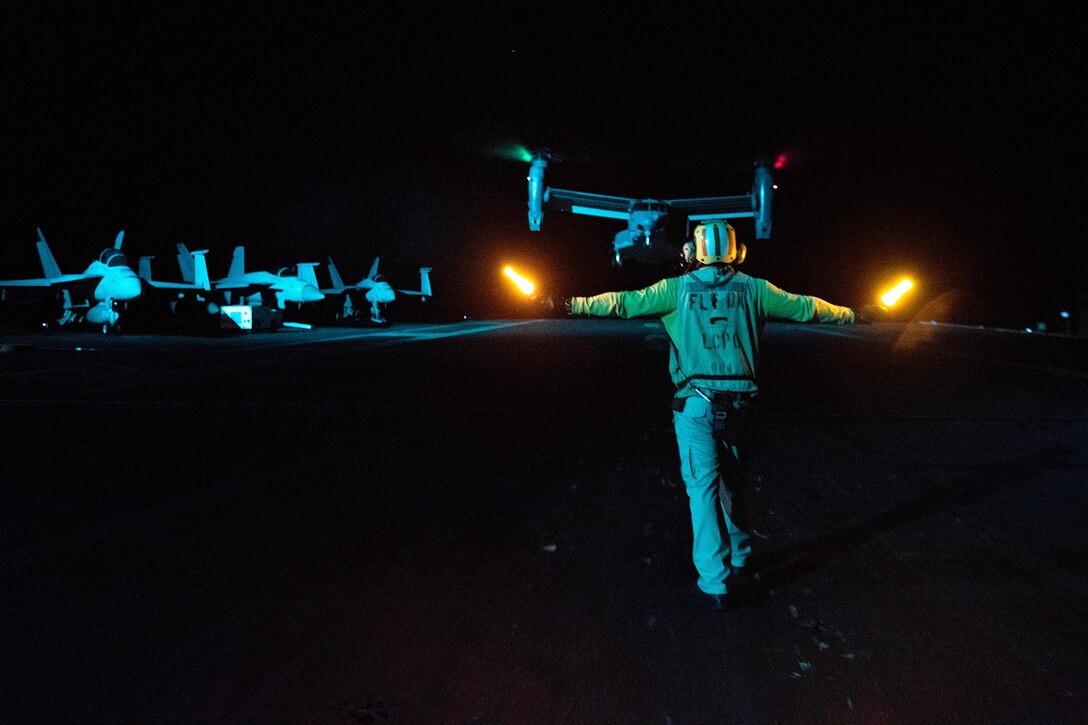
[946,144]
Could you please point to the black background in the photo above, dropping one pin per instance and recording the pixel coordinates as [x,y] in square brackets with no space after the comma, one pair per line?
[942,143]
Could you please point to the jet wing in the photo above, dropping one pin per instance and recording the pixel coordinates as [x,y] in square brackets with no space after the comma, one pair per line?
[146,278]
[172,285]
[41,282]
[424,290]
[251,283]
[61,281]
[239,284]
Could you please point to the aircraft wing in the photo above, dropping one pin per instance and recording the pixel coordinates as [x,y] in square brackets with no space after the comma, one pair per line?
[714,206]
[424,290]
[172,285]
[239,284]
[253,283]
[581,202]
[146,278]
[40,282]
[53,276]
[61,281]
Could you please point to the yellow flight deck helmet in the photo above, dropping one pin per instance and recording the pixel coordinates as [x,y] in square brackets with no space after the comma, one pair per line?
[716,243]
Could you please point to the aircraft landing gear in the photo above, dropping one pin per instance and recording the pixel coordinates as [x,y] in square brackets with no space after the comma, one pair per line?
[376,315]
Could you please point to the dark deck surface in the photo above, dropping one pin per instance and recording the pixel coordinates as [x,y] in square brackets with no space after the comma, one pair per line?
[484,523]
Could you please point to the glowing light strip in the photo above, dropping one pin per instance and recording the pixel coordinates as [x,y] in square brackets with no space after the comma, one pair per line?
[892,296]
[523,284]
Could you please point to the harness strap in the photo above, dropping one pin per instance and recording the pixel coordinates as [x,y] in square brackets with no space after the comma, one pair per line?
[689,378]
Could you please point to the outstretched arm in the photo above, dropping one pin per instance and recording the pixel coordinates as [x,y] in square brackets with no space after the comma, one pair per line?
[657,299]
[782,305]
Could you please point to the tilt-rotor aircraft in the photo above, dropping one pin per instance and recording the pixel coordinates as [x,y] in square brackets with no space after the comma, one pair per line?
[645,241]
[376,290]
[97,295]
[251,287]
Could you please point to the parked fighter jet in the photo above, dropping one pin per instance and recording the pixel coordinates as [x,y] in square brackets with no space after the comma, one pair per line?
[200,281]
[98,295]
[376,290]
[253,286]
[188,302]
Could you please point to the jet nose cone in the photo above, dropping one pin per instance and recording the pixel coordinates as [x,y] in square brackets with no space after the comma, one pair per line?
[381,293]
[312,294]
[128,288]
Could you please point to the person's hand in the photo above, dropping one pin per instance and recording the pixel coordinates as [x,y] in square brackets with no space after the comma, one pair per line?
[868,314]
[547,305]
[551,306]
[545,302]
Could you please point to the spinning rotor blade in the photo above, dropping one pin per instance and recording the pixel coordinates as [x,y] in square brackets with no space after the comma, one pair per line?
[495,143]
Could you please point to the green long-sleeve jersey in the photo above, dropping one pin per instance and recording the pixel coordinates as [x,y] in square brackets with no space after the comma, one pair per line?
[714,317]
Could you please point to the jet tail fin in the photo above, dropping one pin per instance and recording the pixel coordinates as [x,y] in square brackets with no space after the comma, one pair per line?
[306,273]
[145,268]
[49,265]
[334,275]
[200,270]
[119,239]
[425,281]
[185,262]
[373,269]
[424,290]
[238,263]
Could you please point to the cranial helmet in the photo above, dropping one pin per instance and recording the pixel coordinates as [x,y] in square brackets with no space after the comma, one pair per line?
[716,243]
